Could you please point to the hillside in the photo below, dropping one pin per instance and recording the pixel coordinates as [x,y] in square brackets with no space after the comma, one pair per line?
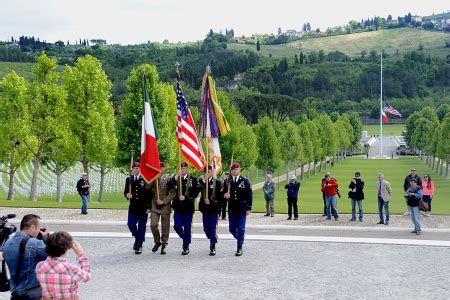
[403,39]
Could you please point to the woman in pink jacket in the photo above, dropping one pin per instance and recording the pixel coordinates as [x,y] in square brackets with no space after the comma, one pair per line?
[428,190]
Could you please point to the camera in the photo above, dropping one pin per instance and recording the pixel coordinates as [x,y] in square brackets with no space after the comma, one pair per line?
[6,229]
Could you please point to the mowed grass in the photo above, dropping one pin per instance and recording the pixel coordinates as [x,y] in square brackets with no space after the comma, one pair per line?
[21,68]
[310,197]
[388,129]
[403,39]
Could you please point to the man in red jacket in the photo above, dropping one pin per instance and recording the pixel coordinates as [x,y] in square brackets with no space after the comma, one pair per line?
[329,187]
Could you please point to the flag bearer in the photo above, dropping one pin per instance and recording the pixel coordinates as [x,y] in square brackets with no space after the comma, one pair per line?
[186,187]
[210,207]
[240,197]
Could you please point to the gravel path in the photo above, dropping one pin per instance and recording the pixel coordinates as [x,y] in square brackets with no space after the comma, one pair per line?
[434,221]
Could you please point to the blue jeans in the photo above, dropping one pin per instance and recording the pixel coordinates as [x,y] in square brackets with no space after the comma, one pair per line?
[331,201]
[210,227]
[182,223]
[415,217]
[137,225]
[427,199]
[84,199]
[354,209]
[381,204]
[237,226]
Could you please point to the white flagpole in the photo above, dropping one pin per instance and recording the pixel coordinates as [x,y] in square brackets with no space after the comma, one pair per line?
[381,103]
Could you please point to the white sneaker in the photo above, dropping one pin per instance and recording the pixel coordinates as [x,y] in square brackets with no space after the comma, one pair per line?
[406,213]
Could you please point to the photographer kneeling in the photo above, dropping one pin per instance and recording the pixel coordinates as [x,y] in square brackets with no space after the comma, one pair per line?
[22,253]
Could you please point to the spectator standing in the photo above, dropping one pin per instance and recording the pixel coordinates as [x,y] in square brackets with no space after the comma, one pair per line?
[384,192]
[292,197]
[356,195]
[59,278]
[269,195]
[83,187]
[413,195]
[407,184]
[428,191]
[22,253]
[329,187]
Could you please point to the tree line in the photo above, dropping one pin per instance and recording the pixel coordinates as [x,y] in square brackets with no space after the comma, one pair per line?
[429,133]
[58,120]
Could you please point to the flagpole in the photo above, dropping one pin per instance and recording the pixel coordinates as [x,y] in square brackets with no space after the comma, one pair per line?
[208,71]
[177,64]
[381,103]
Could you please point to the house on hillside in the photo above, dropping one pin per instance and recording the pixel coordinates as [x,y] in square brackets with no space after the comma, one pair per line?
[416,19]
[393,21]
[293,32]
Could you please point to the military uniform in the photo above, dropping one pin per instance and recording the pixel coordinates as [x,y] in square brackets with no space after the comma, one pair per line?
[184,210]
[241,199]
[140,203]
[166,195]
[210,211]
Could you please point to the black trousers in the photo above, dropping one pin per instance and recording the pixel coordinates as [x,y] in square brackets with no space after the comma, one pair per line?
[292,202]
[224,208]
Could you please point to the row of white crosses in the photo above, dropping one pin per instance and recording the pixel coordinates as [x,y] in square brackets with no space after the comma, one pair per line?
[46,183]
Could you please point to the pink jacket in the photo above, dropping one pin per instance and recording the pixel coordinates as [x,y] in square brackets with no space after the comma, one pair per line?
[427,191]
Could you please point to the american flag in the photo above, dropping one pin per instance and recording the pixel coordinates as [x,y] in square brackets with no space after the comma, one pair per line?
[389,109]
[186,132]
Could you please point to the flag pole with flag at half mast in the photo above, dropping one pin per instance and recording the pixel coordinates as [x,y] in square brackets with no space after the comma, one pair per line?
[213,123]
[189,145]
[150,165]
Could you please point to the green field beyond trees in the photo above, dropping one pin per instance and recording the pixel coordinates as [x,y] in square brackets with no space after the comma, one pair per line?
[388,129]
[310,197]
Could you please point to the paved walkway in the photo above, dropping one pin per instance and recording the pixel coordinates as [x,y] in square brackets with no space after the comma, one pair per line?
[269,270]
[370,220]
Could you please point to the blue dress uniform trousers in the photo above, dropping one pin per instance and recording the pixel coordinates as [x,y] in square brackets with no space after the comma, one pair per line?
[237,226]
[210,226]
[182,223]
[137,225]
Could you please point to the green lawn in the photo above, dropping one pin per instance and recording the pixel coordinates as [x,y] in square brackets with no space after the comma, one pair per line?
[403,39]
[388,129]
[310,197]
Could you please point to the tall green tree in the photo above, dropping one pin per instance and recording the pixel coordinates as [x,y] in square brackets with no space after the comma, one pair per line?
[268,148]
[355,121]
[47,111]
[104,133]
[290,146]
[163,102]
[443,145]
[316,143]
[307,145]
[15,126]
[89,92]
[239,143]
[328,137]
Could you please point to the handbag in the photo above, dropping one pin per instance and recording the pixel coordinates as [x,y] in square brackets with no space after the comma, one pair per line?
[5,284]
[423,205]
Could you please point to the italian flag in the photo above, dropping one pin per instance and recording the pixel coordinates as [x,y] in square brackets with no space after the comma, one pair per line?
[150,163]
[384,118]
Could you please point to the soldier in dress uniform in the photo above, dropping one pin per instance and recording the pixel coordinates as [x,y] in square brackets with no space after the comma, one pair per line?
[210,207]
[183,204]
[161,209]
[140,197]
[240,197]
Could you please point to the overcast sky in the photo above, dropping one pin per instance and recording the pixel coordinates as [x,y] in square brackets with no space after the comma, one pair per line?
[139,21]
